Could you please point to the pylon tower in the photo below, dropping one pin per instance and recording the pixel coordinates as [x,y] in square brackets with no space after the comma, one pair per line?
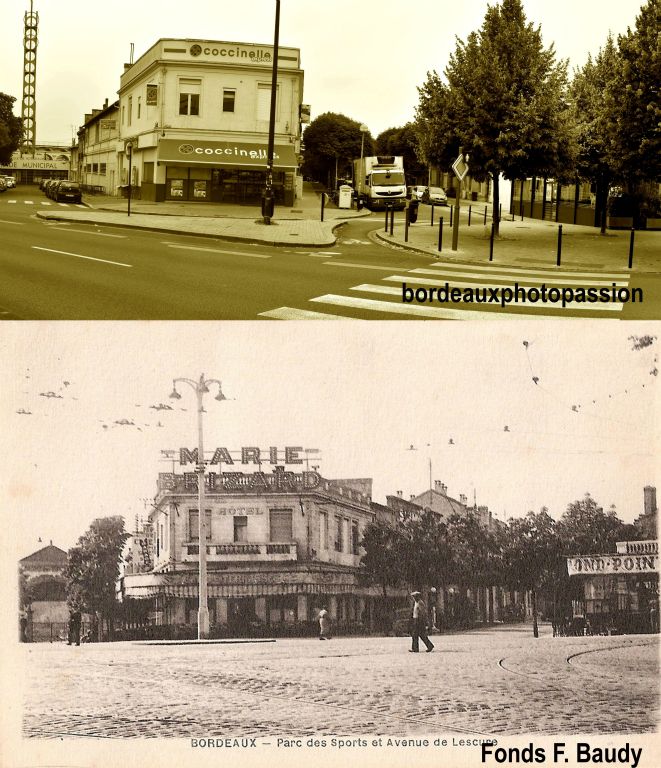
[29,106]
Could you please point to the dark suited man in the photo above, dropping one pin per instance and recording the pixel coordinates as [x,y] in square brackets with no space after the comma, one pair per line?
[419,624]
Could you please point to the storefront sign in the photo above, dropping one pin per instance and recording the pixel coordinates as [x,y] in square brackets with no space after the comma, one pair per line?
[609,564]
[231,52]
[280,481]
[249,455]
[43,165]
[223,153]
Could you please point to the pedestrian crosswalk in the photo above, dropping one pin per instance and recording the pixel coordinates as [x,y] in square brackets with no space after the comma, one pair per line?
[482,290]
[46,202]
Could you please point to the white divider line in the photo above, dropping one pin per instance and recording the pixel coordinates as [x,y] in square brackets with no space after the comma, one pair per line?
[217,250]
[358,266]
[79,256]
[100,234]
[18,223]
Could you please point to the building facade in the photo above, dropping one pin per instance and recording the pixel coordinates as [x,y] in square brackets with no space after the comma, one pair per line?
[94,156]
[47,162]
[280,545]
[194,120]
[43,610]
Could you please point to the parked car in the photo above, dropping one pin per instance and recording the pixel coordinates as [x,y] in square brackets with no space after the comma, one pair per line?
[51,187]
[435,195]
[10,181]
[3,185]
[417,192]
[69,191]
[42,184]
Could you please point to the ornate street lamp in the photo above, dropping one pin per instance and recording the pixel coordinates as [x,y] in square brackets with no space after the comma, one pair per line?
[200,388]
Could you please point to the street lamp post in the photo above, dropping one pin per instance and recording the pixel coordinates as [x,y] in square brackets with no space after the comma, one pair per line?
[363,130]
[200,388]
[129,152]
[268,201]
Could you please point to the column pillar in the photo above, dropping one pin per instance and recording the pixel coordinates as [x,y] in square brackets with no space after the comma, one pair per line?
[221,610]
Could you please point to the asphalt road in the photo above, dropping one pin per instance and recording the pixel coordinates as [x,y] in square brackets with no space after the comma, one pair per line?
[89,272]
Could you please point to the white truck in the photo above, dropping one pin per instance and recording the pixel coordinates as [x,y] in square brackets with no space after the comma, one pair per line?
[380,183]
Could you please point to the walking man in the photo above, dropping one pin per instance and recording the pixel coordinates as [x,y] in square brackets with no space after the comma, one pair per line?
[419,625]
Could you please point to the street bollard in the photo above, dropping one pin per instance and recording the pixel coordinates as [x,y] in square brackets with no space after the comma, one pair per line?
[386,227]
[440,234]
[392,221]
[631,239]
[559,245]
[432,214]
[500,211]
[406,225]
[485,215]
[451,212]
[469,215]
[493,225]
[323,202]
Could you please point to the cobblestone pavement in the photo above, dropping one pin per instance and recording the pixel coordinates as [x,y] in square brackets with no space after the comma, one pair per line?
[487,683]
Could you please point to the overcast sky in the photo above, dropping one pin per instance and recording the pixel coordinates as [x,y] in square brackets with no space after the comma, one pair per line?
[363,59]
[359,394]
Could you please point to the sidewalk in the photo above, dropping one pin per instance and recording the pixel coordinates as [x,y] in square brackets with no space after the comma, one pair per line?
[299,225]
[530,243]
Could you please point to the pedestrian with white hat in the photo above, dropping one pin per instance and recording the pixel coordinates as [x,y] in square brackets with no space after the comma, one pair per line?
[420,621]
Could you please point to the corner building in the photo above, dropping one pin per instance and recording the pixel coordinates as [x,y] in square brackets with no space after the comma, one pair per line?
[196,114]
[280,545]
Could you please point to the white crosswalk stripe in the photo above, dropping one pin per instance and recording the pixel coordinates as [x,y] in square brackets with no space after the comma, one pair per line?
[463,277]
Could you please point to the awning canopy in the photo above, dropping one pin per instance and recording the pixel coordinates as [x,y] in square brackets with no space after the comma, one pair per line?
[237,154]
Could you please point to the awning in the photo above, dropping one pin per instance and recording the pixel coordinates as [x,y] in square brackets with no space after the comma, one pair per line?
[237,154]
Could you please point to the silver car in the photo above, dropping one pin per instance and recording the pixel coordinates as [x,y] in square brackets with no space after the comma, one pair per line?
[435,195]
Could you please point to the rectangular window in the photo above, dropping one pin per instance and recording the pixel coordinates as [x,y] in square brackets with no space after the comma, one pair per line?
[323,531]
[193,525]
[123,114]
[338,534]
[139,107]
[95,167]
[102,169]
[241,528]
[130,114]
[264,101]
[229,98]
[189,96]
[148,173]
[280,525]
[354,538]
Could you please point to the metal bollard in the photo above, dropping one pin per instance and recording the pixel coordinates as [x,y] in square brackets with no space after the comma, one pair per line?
[451,213]
[386,227]
[469,215]
[323,202]
[392,221]
[559,245]
[485,215]
[500,211]
[493,226]
[432,214]
[406,225]
[440,234]
[631,239]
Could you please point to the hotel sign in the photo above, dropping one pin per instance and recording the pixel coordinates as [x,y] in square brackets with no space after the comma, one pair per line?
[612,564]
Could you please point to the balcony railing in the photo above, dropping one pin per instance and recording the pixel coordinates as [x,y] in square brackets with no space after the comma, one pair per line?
[241,551]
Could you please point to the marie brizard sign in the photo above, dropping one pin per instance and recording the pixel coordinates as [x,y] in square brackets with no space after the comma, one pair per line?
[609,564]
[279,481]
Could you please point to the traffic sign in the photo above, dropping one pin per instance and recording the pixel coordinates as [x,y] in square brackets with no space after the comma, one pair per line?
[460,167]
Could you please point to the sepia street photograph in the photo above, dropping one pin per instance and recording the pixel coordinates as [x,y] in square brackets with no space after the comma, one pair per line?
[420,544]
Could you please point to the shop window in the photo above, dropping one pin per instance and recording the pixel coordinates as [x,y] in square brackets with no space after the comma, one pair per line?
[241,528]
[280,525]
[189,96]
[229,99]
[193,525]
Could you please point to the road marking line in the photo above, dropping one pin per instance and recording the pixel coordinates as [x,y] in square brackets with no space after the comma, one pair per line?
[63,205]
[218,250]
[28,202]
[12,202]
[18,223]
[78,256]
[533,307]
[398,309]
[290,313]
[521,278]
[45,202]
[358,266]
[100,234]
[595,307]
[538,271]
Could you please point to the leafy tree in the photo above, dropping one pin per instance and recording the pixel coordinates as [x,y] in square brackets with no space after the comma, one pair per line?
[11,128]
[402,141]
[532,554]
[504,101]
[634,98]
[332,142]
[585,528]
[381,561]
[596,158]
[435,127]
[93,568]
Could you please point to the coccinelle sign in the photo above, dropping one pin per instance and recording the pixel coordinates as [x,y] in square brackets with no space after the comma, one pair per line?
[256,55]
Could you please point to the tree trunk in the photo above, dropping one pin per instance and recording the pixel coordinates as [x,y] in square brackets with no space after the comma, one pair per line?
[535,628]
[496,204]
[602,197]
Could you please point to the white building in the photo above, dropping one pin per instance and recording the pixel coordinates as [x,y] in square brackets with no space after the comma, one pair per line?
[196,114]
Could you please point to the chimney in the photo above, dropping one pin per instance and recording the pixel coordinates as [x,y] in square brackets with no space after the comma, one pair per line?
[437,485]
[105,104]
[399,494]
[649,492]
[444,489]
[463,498]
[412,496]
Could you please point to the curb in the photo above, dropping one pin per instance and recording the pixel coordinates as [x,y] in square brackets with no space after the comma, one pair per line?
[227,238]
[237,641]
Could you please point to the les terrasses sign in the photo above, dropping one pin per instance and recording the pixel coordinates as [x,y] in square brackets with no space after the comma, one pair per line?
[279,481]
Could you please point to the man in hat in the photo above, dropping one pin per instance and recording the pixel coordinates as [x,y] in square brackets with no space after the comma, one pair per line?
[419,627]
